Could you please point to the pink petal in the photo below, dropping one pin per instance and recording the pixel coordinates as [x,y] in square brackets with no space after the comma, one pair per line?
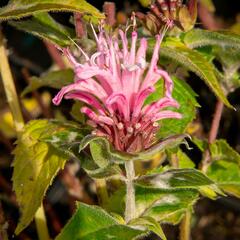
[98,119]
[86,98]
[166,114]
[139,100]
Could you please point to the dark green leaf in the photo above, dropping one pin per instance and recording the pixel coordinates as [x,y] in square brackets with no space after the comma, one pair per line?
[55,79]
[225,168]
[150,224]
[181,178]
[117,156]
[44,26]
[93,223]
[35,165]
[193,61]
[16,9]
[185,96]
[164,205]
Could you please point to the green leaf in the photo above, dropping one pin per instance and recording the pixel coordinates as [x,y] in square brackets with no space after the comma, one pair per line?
[145,3]
[187,102]
[183,160]
[193,61]
[21,8]
[44,26]
[225,168]
[199,38]
[119,157]
[181,178]
[164,205]
[151,224]
[93,223]
[54,79]
[35,165]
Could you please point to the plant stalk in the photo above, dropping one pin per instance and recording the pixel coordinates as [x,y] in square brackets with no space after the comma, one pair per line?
[185,227]
[41,224]
[14,105]
[213,133]
[102,192]
[130,207]
[9,87]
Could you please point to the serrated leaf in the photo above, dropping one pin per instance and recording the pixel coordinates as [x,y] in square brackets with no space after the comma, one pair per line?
[164,205]
[225,168]
[93,223]
[193,61]
[180,178]
[150,224]
[54,79]
[199,38]
[186,98]
[16,9]
[44,26]
[116,156]
[35,165]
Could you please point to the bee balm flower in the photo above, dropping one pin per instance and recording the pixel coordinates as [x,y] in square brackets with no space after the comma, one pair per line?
[114,84]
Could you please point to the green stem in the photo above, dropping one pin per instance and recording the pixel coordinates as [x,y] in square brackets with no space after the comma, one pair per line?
[130,193]
[102,192]
[185,227]
[14,105]
[41,224]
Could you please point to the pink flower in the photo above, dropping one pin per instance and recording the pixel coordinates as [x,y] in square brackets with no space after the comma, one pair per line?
[114,84]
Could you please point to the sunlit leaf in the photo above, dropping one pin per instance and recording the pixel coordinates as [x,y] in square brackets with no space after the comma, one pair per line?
[199,38]
[35,165]
[193,61]
[93,223]
[16,9]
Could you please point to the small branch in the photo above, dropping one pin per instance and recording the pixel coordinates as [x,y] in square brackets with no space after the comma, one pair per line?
[130,207]
[185,227]
[109,9]
[55,54]
[213,133]
[102,192]
[9,87]
[79,26]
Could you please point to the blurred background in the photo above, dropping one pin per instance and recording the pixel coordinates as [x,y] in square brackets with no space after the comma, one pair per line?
[30,56]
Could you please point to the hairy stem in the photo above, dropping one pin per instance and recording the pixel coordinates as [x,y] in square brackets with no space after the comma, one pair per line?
[41,224]
[14,105]
[102,192]
[130,193]
[185,227]
[79,26]
[109,9]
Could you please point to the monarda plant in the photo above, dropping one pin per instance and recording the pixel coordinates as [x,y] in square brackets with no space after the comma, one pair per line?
[131,116]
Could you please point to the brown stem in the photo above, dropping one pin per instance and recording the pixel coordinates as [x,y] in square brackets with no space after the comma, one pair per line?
[79,26]
[55,55]
[109,9]
[213,133]
[207,18]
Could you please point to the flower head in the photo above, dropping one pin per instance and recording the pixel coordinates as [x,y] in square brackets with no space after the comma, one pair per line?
[114,84]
